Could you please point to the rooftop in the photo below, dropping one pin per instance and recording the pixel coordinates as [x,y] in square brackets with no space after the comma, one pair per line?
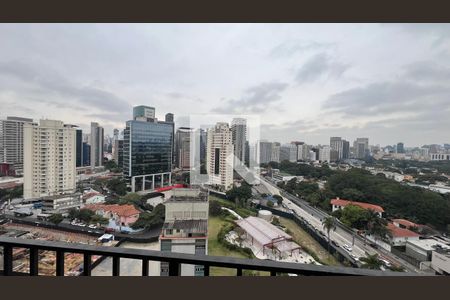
[405,223]
[429,244]
[401,232]
[261,230]
[197,226]
[342,202]
[126,210]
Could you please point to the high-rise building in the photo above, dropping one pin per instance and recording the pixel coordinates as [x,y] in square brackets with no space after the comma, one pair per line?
[169,117]
[79,147]
[203,143]
[303,152]
[345,149]
[143,113]
[341,146]
[275,154]
[49,159]
[118,153]
[11,142]
[361,146]
[96,142]
[325,154]
[247,154]
[239,139]
[185,228]
[183,148]
[400,148]
[219,156]
[147,153]
[264,151]
[86,154]
[288,152]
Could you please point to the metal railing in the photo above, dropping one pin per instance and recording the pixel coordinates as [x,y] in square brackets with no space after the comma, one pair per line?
[173,259]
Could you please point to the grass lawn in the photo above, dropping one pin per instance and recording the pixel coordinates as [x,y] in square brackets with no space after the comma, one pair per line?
[302,238]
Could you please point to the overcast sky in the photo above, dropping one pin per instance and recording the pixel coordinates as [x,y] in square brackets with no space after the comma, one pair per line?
[307,82]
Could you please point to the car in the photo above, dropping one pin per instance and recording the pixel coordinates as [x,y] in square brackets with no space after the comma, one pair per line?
[386,262]
[81,224]
[354,257]
[92,226]
[347,247]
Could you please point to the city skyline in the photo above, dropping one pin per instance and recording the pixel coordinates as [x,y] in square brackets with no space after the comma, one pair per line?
[308,82]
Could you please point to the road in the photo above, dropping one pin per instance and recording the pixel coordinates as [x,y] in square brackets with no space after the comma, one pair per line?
[341,235]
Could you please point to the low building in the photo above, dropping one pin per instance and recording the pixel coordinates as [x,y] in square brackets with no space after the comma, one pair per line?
[60,203]
[400,236]
[341,203]
[421,250]
[93,198]
[122,215]
[266,238]
[185,229]
[440,261]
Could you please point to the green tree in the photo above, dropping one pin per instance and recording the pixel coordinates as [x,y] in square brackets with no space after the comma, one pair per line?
[214,208]
[98,219]
[56,218]
[353,216]
[279,199]
[240,194]
[329,223]
[85,215]
[371,262]
[73,213]
[150,220]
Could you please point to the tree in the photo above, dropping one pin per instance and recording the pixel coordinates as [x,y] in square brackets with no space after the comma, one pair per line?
[73,213]
[240,194]
[269,203]
[117,186]
[279,199]
[56,218]
[151,220]
[371,262]
[353,216]
[98,219]
[329,223]
[214,208]
[85,215]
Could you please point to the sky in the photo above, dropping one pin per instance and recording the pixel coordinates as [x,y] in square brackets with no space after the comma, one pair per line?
[305,82]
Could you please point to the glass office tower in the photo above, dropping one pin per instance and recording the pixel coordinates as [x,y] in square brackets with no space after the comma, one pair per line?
[147,154]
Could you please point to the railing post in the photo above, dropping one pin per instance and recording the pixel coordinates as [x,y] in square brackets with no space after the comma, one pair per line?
[144,267]
[59,263]
[116,266]
[273,273]
[206,270]
[34,261]
[174,268]
[7,260]
[86,264]
[239,272]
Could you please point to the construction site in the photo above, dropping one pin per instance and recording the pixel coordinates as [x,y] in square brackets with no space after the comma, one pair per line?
[73,262]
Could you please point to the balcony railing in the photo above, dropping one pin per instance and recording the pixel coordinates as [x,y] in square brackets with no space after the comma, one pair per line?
[173,259]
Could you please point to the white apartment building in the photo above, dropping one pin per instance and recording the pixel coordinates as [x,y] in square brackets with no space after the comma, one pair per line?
[324,154]
[275,154]
[11,142]
[49,159]
[219,156]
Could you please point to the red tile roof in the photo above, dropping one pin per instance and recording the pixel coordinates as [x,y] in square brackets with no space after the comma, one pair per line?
[91,194]
[126,210]
[9,185]
[401,232]
[342,202]
[406,223]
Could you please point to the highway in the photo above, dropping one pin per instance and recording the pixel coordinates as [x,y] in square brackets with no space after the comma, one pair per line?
[342,235]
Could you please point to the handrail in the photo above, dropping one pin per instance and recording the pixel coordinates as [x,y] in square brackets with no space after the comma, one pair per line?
[175,259]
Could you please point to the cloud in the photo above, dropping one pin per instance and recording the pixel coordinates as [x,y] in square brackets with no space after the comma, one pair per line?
[427,71]
[388,98]
[291,47]
[53,85]
[256,99]
[320,66]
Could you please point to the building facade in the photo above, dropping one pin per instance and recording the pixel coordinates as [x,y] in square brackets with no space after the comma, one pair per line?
[49,159]
[11,142]
[185,229]
[239,139]
[219,156]
[183,148]
[264,150]
[147,154]
[96,143]
[288,152]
